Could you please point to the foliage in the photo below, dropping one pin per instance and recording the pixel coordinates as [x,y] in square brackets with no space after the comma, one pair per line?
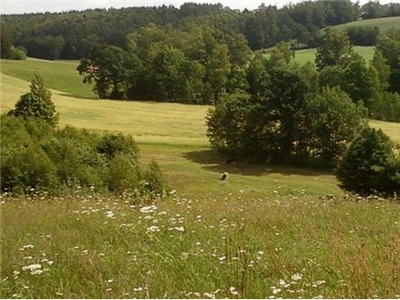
[369,165]
[363,35]
[333,122]
[72,35]
[389,45]
[8,51]
[37,103]
[283,117]
[38,156]
[386,107]
[111,69]
[334,50]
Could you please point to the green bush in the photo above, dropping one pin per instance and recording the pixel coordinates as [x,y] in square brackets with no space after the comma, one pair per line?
[369,165]
[36,155]
[36,103]
[386,107]
[154,182]
[111,144]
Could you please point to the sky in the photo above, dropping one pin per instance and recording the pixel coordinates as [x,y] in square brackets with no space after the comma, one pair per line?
[35,6]
[28,6]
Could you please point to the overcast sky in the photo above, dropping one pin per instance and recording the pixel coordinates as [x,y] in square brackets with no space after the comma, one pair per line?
[34,6]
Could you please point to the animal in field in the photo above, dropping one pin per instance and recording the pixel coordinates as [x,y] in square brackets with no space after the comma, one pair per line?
[225,176]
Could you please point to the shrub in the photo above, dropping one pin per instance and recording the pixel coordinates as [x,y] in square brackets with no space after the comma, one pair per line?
[37,103]
[36,155]
[370,165]
[112,144]
[23,163]
[153,179]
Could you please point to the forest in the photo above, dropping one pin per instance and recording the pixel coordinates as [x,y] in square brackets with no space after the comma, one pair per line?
[73,34]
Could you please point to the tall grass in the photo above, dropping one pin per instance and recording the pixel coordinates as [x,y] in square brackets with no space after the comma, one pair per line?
[222,247]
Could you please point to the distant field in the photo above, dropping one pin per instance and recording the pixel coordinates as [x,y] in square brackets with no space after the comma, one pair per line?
[382,23]
[59,75]
[308,55]
[174,135]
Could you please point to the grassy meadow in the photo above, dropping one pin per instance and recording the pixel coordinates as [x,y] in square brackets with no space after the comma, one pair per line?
[308,55]
[267,232]
[382,23]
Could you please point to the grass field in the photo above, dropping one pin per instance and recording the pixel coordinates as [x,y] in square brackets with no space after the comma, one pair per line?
[59,75]
[382,23]
[267,232]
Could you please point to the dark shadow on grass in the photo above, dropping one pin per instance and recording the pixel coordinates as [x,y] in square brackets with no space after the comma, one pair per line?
[213,161]
[64,94]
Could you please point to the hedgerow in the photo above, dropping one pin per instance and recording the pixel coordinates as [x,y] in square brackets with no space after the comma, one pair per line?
[35,155]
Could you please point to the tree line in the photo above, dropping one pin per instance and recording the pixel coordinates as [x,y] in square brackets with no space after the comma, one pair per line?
[73,34]
[200,65]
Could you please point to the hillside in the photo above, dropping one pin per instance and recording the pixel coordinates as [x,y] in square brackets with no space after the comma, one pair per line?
[71,35]
[382,23]
[269,231]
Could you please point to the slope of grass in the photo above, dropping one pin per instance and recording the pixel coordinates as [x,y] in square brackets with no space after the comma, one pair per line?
[308,55]
[174,135]
[266,232]
[59,75]
[382,23]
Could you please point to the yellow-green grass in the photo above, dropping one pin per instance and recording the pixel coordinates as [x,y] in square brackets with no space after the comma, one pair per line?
[308,55]
[382,23]
[392,129]
[268,231]
[59,75]
[187,247]
[175,135]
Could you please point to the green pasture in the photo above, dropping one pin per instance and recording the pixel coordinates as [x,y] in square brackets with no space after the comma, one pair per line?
[269,231]
[382,23]
[308,55]
[59,75]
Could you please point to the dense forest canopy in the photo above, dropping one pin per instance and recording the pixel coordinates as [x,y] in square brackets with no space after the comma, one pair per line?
[73,34]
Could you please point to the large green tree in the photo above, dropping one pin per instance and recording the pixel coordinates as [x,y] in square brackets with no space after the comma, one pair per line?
[111,69]
[333,120]
[334,50]
[370,164]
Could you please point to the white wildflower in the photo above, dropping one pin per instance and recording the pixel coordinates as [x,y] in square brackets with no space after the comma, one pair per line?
[153,229]
[32,267]
[209,295]
[36,272]
[110,214]
[138,289]
[233,291]
[181,229]
[275,290]
[148,209]
[296,277]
